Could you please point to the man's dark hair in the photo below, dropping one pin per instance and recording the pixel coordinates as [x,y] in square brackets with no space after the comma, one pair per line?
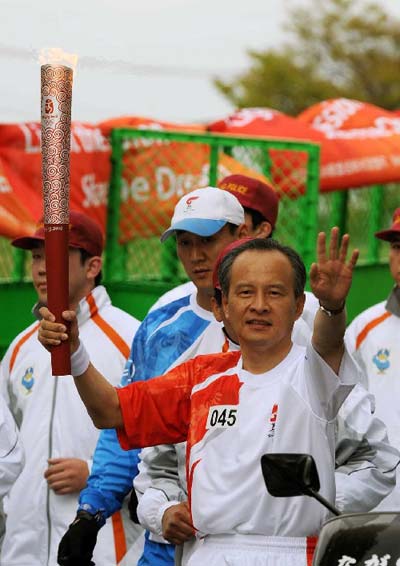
[86,255]
[257,218]
[263,244]
[232,227]
[218,296]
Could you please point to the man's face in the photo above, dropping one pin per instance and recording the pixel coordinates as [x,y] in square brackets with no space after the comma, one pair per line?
[261,307]
[78,281]
[39,273]
[394,260]
[198,254]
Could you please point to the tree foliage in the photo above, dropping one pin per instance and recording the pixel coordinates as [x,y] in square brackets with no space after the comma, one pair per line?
[348,48]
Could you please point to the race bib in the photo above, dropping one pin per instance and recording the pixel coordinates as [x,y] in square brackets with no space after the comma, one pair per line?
[222,416]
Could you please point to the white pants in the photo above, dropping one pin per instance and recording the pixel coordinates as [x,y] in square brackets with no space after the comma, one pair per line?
[253,550]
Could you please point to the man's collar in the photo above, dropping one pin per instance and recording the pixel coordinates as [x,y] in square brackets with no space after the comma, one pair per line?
[229,338]
[393,302]
[35,310]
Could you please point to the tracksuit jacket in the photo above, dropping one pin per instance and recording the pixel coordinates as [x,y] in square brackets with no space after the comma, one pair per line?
[54,424]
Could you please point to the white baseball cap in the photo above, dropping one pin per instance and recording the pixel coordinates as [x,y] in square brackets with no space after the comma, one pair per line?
[204,212]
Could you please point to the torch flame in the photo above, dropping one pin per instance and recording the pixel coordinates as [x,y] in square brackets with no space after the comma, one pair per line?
[57,56]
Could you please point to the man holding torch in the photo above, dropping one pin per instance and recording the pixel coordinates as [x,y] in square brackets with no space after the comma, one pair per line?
[221,403]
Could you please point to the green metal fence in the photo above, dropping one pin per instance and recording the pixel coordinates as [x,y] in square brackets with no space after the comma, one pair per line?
[361,213]
[141,158]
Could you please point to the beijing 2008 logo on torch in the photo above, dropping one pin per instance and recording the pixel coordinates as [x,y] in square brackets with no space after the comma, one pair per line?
[50,113]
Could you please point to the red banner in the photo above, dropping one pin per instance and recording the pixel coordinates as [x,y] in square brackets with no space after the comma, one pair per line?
[156,174]
[15,216]
[360,145]
[21,160]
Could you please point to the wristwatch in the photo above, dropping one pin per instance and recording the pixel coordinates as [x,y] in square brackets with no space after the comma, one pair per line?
[330,312]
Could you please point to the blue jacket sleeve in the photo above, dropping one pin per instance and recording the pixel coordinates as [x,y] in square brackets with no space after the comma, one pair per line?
[154,348]
[111,477]
[113,469]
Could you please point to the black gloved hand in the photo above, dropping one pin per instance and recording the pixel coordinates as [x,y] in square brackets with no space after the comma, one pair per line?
[132,507]
[77,545]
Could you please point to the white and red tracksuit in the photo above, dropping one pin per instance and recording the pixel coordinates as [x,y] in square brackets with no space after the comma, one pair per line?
[230,418]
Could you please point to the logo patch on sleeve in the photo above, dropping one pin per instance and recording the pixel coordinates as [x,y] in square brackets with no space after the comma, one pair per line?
[222,416]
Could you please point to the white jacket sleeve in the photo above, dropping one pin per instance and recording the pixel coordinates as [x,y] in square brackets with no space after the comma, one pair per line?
[158,485]
[150,511]
[365,461]
[11,453]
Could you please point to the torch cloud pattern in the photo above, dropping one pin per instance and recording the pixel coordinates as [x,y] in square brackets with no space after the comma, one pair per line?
[56,90]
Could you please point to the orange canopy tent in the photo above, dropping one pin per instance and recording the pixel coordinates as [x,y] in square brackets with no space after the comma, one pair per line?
[361,143]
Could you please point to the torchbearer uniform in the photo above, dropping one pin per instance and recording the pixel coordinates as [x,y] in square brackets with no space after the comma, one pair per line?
[231,417]
[168,336]
[54,424]
[365,460]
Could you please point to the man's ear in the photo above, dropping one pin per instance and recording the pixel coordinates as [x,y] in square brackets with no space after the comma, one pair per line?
[94,265]
[263,230]
[300,301]
[216,309]
[225,307]
[242,231]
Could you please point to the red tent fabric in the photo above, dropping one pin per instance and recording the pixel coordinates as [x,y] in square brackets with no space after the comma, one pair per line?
[264,122]
[360,143]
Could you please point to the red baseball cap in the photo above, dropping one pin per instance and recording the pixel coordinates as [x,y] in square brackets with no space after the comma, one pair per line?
[253,193]
[393,233]
[222,254]
[84,233]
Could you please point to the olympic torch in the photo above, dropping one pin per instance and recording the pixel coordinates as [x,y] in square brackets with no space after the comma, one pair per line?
[56,98]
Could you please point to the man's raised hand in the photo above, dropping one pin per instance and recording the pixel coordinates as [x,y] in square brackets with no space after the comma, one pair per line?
[331,275]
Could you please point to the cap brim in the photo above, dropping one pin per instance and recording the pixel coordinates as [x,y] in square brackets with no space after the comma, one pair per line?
[27,242]
[388,235]
[198,226]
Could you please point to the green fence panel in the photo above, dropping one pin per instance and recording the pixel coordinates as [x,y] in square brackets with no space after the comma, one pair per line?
[143,158]
[361,212]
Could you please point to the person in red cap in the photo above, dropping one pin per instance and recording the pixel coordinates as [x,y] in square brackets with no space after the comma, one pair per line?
[259,200]
[374,339]
[58,437]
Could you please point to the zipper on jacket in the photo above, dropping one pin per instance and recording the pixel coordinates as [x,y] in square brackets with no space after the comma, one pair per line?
[53,406]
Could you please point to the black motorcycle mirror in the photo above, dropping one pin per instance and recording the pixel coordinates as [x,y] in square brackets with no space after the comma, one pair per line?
[290,475]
